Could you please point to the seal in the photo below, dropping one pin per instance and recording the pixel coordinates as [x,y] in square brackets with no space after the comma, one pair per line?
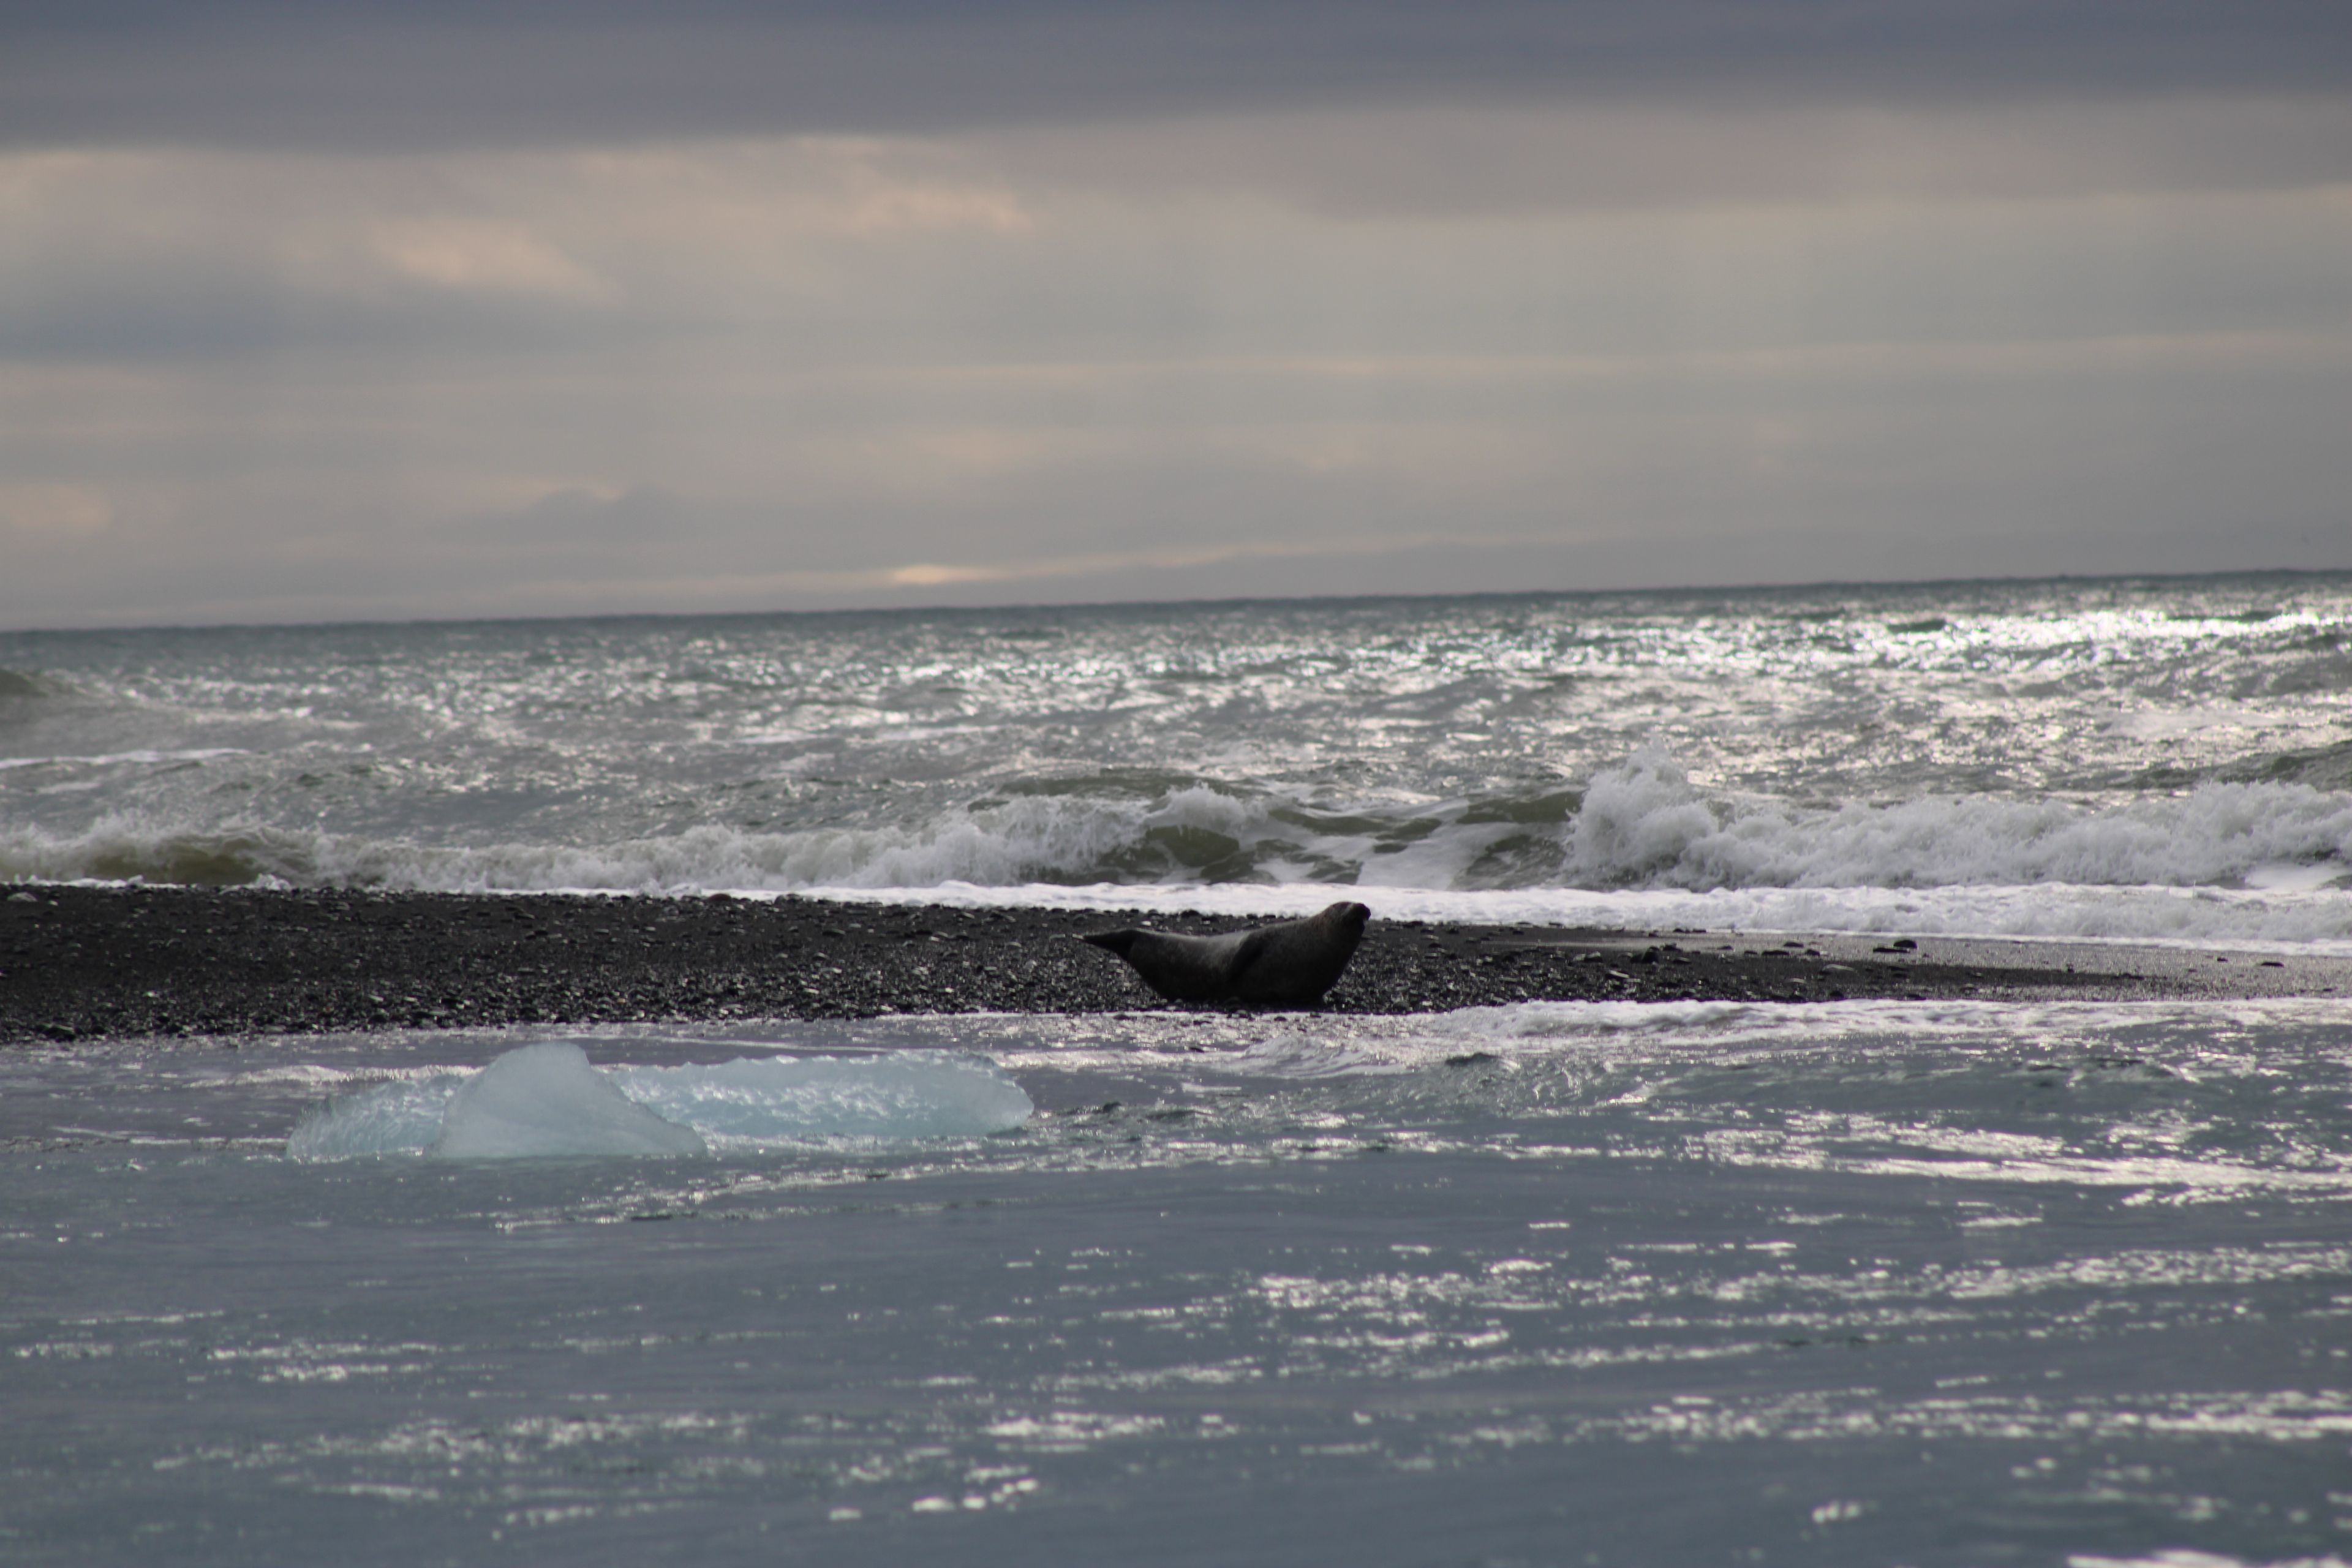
[1290,964]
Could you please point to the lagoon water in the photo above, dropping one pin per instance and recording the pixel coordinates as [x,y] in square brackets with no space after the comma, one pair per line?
[1850,1283]
[1856,1283]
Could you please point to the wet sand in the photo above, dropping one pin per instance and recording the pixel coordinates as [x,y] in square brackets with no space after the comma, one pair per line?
[85,962]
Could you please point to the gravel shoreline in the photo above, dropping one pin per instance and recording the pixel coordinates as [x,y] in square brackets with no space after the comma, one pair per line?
[82,962]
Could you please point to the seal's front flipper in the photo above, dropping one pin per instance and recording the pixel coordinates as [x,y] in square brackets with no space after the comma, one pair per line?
[1253,947]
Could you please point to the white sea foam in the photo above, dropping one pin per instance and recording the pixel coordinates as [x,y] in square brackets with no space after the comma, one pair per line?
[1711,1031]
[2276,857]
[902,1095]
[1644,823]
[546,1099]
[1641,827]
[1946,1021]
[117,759]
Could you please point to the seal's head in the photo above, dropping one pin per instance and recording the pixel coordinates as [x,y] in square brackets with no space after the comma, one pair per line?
[1346,920]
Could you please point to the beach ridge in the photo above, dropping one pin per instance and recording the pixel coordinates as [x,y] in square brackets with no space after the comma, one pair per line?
[80,961]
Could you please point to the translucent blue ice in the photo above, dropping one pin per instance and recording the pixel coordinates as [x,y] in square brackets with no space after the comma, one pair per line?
[547,1100]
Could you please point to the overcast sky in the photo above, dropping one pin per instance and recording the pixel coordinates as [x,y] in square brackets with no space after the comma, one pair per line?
[325,310]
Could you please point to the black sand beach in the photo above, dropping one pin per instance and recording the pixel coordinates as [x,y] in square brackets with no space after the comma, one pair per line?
[82,962]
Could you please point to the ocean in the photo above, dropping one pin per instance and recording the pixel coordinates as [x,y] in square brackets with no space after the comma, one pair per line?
[1875,1282]
[2167,758]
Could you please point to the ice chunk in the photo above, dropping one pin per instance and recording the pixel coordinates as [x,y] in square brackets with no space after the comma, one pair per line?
[390,1118]
[547,1100]
[903,1094]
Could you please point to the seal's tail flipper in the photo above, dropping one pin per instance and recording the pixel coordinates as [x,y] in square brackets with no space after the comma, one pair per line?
[1116,942]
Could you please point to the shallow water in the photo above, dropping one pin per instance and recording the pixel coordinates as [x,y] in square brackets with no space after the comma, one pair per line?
[1951,1283]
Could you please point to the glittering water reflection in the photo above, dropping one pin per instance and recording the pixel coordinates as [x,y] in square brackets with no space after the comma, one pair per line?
[1862,1283]
[1908,742]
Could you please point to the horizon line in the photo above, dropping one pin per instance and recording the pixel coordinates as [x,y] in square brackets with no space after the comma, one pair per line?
[1035,607]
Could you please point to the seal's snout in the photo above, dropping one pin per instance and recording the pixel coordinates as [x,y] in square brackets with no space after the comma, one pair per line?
[1116,942]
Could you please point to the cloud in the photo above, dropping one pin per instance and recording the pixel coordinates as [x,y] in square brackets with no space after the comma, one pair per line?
[1113,564]
[481,256]
[1789,465]
[132,253]
[347,309]
[1214,395]
[36,513]
[265,73]
[1472,159]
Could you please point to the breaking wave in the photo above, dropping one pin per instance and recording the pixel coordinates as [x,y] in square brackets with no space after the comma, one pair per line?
[1643,825]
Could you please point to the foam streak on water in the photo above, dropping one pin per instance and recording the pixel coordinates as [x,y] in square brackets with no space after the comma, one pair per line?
[1857,1283]
[2166,758]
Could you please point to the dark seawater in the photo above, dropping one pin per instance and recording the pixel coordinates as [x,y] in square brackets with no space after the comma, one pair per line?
[2161,758]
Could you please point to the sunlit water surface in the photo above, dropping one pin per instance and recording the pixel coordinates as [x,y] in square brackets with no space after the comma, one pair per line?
[1862,1283]
[2152,758]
